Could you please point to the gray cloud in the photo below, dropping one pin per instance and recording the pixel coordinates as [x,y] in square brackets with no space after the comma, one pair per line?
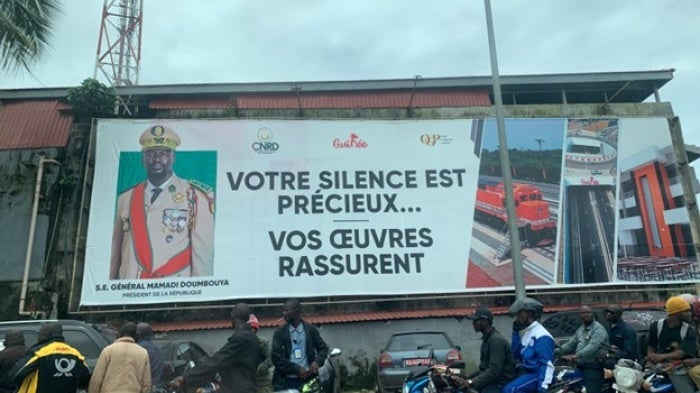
[266,40]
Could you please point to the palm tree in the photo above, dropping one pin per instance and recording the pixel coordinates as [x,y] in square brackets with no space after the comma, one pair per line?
[25,27]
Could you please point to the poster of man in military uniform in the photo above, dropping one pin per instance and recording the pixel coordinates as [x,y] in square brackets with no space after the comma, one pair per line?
[164,226]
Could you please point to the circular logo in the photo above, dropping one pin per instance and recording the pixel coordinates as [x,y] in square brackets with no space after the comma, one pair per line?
[264,134]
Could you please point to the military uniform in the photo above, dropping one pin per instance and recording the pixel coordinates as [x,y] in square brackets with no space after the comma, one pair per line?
[169,236]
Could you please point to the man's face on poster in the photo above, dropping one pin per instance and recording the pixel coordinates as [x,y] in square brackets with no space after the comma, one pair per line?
[158,163]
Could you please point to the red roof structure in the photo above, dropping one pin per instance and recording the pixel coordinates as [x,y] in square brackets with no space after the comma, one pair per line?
[338,318]
[34,124]
[332,100]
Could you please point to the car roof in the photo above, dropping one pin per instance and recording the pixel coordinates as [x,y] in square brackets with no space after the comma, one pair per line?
[564,323]
[39,322]
[418,332]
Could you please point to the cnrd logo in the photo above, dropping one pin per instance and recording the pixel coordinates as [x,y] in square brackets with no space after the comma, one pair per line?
[264,144]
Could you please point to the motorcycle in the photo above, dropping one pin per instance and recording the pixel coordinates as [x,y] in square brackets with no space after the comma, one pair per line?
[569,378]
[433,379]
[329,373]
[657,379]
[566,379]
[630,377]
[326,381]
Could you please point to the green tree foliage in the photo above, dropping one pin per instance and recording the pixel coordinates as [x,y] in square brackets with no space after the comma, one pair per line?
[25,29]
[541,166]
[92,99]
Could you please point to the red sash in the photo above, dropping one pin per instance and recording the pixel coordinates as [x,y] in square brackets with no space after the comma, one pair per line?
[142,241]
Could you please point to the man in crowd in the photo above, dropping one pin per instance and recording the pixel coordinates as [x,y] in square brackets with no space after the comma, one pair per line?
[123,366]
[693,363]
[14,350]
[533,348]
[671,340]
[297,349]
[164,225]
[622,337]
[496,364]
[264,381]
[144,337]
[51,365]
[236,362]
[585,347]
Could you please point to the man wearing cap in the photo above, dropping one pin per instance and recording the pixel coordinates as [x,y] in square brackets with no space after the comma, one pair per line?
[533,348]
[496,364]
[671,340]
[623,338]
[164,226]
[585,347]
[264,381]
[236,362]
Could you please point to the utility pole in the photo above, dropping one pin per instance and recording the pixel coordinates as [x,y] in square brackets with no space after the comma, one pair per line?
[517,258]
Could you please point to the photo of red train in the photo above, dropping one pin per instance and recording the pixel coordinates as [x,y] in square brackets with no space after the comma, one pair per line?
[537,227]
[535,148]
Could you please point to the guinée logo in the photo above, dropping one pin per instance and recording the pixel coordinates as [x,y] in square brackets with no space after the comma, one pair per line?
[354,142]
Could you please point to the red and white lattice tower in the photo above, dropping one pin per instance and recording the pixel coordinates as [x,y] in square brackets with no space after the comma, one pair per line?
[119,44]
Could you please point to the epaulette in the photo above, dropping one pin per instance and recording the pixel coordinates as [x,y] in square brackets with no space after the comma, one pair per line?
[206,189]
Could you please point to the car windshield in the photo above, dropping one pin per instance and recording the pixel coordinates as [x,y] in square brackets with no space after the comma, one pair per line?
[106,330]
[414,341]
[640,320]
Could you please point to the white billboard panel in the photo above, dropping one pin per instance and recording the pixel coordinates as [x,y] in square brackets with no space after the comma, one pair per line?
[273,208]
[206,210]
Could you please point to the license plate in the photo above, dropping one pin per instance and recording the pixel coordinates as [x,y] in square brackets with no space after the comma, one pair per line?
[413,362]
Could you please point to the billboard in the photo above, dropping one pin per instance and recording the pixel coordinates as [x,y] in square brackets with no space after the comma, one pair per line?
[203,210]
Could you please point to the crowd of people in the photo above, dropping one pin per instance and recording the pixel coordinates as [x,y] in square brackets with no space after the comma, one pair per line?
[247,363]
[526,365]
[134,363]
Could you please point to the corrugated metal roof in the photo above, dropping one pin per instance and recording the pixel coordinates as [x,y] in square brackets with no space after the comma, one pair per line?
[345,100]
[190,103]
[34,124]
[628,86]
[370,316]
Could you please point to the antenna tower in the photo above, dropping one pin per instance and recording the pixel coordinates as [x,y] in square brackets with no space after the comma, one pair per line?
[119,43]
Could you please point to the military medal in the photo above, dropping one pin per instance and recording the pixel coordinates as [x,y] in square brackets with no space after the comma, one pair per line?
[178,197]
[174,220]
[169,238]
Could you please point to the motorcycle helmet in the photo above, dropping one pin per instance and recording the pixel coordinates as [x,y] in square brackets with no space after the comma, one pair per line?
[526,304]
[694,302]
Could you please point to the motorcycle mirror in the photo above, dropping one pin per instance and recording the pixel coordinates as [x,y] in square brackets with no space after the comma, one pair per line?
[336,351]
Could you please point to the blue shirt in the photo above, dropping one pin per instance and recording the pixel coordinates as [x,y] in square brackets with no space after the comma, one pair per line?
[155,357]
[298,337]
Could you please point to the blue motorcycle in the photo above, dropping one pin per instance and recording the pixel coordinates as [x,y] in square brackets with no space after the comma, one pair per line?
[434,379]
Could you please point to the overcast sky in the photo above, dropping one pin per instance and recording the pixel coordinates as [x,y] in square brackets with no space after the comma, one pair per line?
[219,41]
